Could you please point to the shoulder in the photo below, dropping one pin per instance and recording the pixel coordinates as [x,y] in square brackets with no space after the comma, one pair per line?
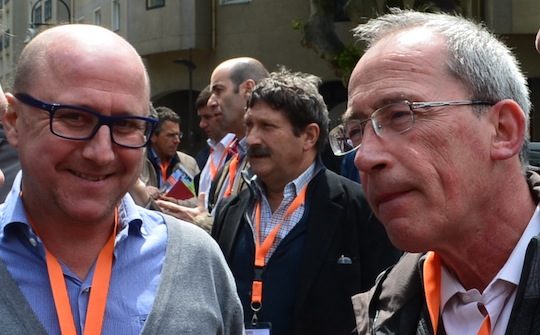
[396,289]
[227,207]
[335,186]
[188,162]
[186,242]
[189,235]
[185,158]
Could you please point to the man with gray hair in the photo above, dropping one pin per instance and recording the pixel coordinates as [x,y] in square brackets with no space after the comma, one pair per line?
[438,110]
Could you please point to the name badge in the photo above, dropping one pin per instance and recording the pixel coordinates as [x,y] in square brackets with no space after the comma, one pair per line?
[259,328]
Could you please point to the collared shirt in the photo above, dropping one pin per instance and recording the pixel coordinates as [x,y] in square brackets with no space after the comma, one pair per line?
[242,151]
[139,253]
[460,311]
[269,220]
[218,154]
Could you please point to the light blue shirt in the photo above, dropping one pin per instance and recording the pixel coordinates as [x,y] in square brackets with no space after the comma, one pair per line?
[138,258]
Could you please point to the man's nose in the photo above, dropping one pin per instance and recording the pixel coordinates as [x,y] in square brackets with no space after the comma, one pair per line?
[371,154]
[100,147]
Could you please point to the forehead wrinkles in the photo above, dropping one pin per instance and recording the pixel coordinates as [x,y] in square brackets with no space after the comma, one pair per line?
[392,70]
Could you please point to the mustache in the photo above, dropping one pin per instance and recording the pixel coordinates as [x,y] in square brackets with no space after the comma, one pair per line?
[258,151]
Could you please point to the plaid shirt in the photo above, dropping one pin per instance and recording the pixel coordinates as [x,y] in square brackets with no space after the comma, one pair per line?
[269,220]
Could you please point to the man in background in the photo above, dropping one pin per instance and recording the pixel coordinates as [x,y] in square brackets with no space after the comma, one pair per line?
[220,142]
[231,84]
[163,158]
[303,239]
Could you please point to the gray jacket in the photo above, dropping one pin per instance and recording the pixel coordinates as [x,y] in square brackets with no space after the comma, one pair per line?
[212,308]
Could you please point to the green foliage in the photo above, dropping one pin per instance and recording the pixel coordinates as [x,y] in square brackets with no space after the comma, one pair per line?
[346,60]
[297,24]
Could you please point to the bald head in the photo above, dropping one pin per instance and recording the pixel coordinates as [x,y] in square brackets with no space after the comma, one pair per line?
[68,50]
[100,76]
[243,68]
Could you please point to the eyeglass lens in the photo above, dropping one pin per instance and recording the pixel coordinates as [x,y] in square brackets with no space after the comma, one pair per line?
[79,125]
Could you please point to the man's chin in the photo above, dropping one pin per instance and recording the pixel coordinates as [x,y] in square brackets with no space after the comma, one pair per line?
[258,165]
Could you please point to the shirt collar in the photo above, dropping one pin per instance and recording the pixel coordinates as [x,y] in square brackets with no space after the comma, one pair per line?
[153,156]
[223,143]
[12,211]
[511,270]
[242,147]
[294,186]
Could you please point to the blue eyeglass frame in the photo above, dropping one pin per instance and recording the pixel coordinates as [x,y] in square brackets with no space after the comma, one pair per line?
[51,108]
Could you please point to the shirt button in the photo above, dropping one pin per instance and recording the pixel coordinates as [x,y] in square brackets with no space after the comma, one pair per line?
[32,241]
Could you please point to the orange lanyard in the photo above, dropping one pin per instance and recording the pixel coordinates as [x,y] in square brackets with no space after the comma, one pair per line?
[261,250]
[229,149]
[432,289]
[98,293]
[213,167]
[232,175]
[164,166]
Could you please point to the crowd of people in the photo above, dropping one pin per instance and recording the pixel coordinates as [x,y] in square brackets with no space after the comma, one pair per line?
[431,228]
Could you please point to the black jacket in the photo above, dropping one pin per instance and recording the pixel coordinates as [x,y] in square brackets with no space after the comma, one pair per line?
[339,223]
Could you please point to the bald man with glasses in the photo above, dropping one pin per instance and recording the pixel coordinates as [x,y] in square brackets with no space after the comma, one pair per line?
[77,255]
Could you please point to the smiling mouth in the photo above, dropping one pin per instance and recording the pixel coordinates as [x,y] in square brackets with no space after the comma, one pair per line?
[89,177]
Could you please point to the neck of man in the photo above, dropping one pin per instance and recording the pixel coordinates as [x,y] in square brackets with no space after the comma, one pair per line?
[275,187]
[481,252]
[165,158]
[74,243]
[239,131]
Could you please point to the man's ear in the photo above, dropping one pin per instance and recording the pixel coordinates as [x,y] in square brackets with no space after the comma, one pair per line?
[246,87]
[508,120]
[311,135]
[9,120]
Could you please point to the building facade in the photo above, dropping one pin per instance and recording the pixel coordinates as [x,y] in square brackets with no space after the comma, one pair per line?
[181,41]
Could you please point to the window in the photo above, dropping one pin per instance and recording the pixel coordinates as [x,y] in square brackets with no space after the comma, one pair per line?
[36,15]
[48,10]
[7,39]
[150,4]
[231,2]
[115,15]
[97,16]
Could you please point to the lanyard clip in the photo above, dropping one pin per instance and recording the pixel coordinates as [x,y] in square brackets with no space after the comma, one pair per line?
[254,319]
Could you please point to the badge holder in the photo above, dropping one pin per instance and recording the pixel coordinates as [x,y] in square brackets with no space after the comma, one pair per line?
[255,327]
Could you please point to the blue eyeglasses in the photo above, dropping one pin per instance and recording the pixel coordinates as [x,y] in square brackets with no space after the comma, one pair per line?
[80,124]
